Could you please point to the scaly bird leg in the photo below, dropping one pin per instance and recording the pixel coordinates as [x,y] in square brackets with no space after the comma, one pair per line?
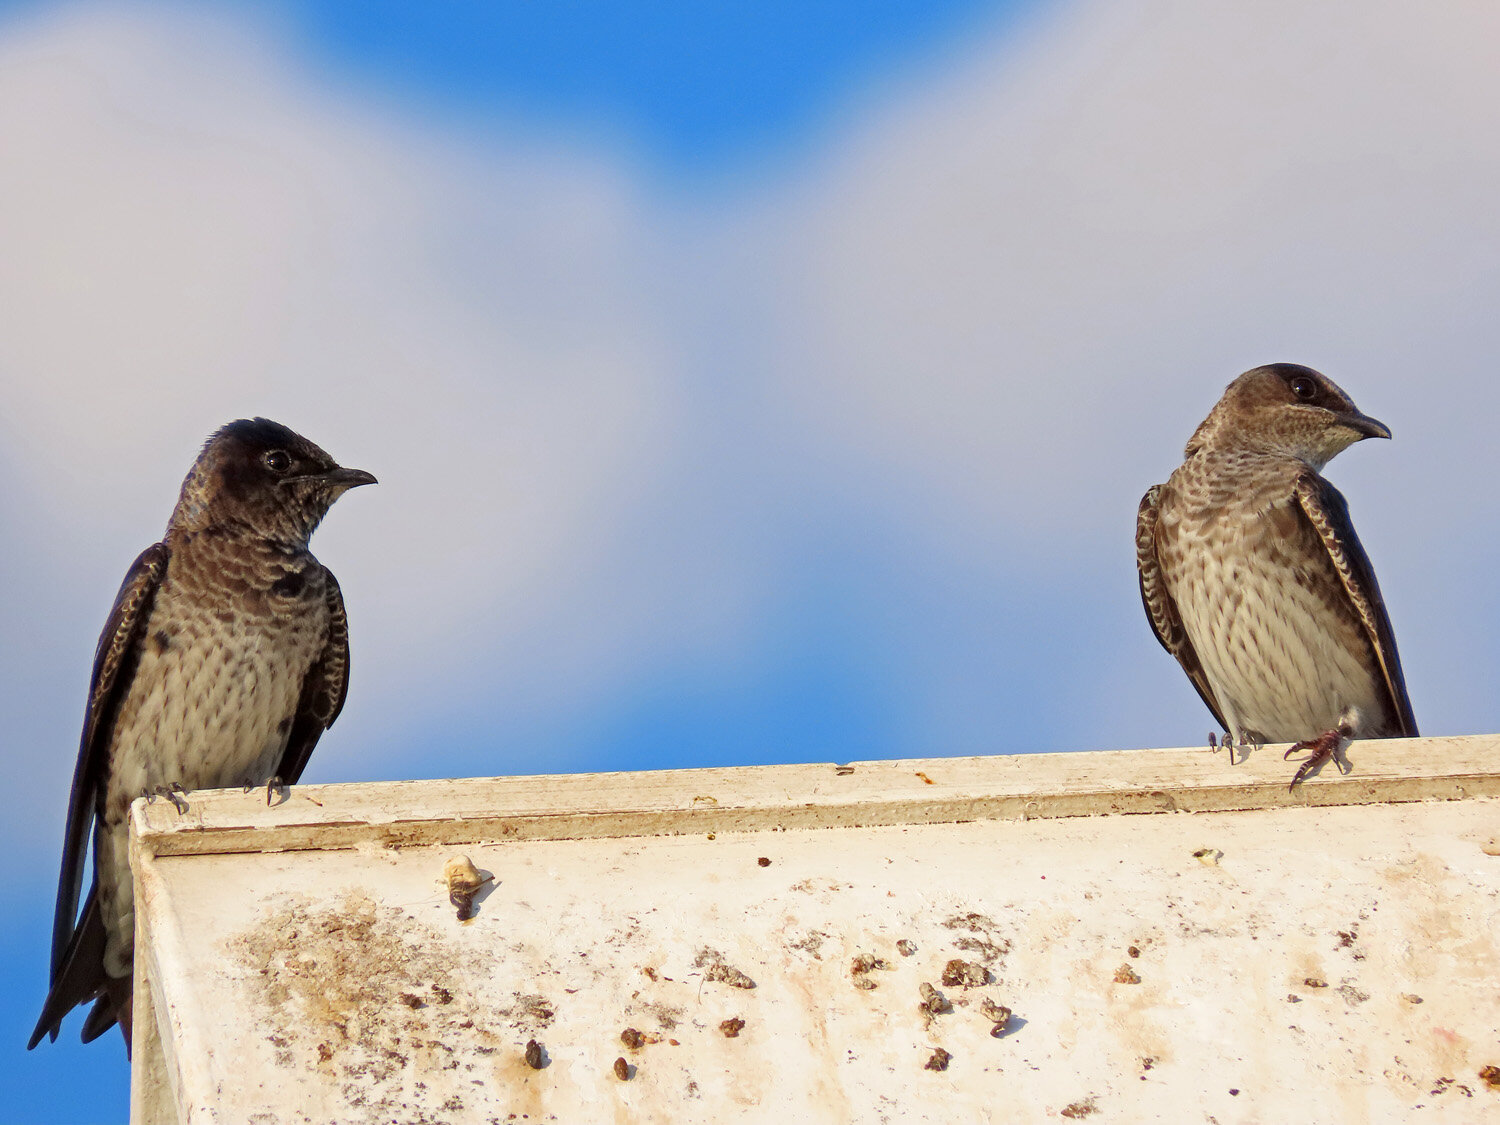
[1324,748]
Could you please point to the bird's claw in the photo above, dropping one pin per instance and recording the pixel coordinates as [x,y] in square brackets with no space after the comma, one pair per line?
[274,786]
[1323,749]
[1229,744]
[173,792]
[1309,764]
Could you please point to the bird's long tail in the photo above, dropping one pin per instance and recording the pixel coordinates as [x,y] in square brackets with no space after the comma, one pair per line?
[80,978]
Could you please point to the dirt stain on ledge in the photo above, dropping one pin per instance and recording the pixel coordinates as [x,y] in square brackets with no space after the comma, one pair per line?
[365,994]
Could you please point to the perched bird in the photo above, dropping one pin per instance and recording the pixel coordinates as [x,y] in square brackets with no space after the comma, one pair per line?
[1253,577]
[225,657]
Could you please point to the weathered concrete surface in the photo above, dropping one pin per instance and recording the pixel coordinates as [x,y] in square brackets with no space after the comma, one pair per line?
[1337,964]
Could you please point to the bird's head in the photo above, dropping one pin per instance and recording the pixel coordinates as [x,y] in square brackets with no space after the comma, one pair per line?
[1289,408]
[261,475]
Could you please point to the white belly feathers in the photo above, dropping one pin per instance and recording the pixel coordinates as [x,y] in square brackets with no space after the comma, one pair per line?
[1263,638]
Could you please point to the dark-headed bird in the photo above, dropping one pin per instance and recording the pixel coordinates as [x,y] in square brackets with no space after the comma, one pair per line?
[1254,580]
[225,657]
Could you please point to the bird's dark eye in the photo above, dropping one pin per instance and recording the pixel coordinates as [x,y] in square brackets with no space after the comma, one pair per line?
[278,461]
[1304,388]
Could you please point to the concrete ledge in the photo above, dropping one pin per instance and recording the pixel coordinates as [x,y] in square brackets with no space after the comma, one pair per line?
[757,798]
[796,943]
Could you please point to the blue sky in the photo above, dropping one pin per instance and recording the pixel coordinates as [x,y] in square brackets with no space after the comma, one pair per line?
[693,85]
[746,383]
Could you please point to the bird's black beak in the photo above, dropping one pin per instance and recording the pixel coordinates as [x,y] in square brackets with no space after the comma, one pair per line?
[345,479]
[337,481]
[1364,425]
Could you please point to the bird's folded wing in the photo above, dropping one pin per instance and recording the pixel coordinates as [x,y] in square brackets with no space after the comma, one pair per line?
[114,664]
[1328,512]
[323,690]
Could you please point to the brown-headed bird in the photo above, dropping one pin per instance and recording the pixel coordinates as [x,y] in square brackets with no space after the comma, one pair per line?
[1254,580]
[225,657]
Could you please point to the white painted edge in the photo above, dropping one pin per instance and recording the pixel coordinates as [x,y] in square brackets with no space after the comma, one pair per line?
[165,1088]
[753,798]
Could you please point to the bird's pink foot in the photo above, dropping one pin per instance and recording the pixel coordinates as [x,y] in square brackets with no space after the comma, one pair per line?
[1323,749]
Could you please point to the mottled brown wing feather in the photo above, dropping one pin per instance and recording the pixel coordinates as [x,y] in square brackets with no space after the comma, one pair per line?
[1161,610]
[1328,512]
[323,691]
